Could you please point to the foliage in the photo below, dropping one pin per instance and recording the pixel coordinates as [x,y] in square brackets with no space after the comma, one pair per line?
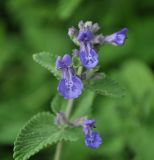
[126,124]
[47,60]
[103,85]
[39,133]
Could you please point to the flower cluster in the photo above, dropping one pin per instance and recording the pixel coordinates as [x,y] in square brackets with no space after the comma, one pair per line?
[87,38]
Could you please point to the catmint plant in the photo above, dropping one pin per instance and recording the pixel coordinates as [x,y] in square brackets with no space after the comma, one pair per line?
[77,73]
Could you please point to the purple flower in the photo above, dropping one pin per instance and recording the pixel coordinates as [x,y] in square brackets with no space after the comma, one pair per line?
[118,38]
[88,56]
[92,138]
[70,86]
[88,125]
[85,36]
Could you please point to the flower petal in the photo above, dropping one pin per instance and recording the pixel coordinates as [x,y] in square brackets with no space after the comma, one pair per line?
[88,125]
[63,62]
[59,62]
[70,89]
[85,36]
[67,60]
[93,140]
[90,59]
[118,38]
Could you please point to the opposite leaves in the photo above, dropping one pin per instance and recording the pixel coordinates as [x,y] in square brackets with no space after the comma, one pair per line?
[39,133]
[103,85]
[47,60]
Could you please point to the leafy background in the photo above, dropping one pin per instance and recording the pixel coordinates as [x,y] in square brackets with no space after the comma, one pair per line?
[30,26]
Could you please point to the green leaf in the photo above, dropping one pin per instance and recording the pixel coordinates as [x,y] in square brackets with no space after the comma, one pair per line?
[58,104]
[39,133]
[84,103]
[103,85]
[48,61]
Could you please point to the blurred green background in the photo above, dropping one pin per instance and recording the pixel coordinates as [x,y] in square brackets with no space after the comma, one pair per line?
[30,26]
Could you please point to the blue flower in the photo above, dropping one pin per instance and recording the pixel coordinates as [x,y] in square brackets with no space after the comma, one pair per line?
[70,86]
[118,38]
[85,36]
[88,125]
[88,56]
[92,138]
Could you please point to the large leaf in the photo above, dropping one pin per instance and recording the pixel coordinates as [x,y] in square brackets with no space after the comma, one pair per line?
[48,61]
[103,85]
[39,133]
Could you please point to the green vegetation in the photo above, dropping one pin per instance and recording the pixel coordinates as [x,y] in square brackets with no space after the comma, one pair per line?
[126,124]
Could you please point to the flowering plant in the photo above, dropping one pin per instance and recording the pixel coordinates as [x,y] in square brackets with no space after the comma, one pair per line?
[76,74]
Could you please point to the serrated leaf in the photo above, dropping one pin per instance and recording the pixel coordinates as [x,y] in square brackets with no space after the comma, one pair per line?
[48,61]
[39,133]
[103,85]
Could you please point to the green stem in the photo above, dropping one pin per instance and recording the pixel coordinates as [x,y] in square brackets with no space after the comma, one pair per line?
[58,151]
[69,107]
[79,70]
[68,112]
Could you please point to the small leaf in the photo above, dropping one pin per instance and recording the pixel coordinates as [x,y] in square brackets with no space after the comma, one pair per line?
[103,85]
[84,104]
[48,61]
[58,104]
[39,133]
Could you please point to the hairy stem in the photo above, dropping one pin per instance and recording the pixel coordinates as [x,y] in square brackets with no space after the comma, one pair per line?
[68,112]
